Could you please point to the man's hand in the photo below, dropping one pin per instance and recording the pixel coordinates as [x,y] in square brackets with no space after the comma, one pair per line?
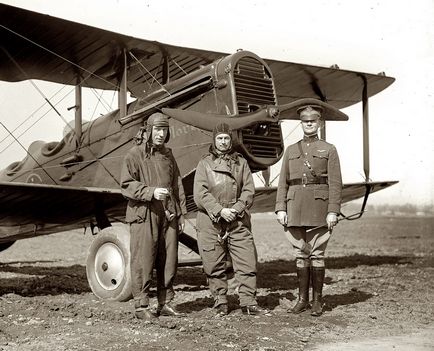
[332,220]
[228,214]
[161,193]
[282,217]
[181,223]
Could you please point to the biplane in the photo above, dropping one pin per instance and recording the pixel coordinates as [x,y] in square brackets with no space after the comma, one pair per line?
[74,183]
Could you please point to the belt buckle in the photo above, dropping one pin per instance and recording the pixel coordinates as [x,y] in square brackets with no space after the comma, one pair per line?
[304,180]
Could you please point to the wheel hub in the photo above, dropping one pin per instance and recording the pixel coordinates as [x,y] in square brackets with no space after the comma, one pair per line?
[109,266]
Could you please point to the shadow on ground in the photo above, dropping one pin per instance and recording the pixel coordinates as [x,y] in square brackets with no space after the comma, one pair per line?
[38,281]
[349,298]
[274,275]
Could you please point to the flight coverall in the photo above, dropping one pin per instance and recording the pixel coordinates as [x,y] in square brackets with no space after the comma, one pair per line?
[308,194]
[226,182]
[153,238]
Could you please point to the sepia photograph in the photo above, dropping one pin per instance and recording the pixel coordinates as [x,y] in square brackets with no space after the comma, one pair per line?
[211,176]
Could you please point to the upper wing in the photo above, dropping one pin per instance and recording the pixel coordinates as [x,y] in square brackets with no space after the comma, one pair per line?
[340,88]
[265,198]
[42,47]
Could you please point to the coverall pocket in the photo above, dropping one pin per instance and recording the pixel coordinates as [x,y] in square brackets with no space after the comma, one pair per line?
[136,211]
[209,258]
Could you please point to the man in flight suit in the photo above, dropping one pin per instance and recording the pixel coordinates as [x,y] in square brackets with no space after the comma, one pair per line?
[307,204]
[223,192]
[151,181]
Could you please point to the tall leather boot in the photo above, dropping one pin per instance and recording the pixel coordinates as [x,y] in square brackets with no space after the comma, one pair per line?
[303,290]
[318,274]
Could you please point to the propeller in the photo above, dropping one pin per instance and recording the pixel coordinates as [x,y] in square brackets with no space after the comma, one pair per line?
[207,121]
[267,114]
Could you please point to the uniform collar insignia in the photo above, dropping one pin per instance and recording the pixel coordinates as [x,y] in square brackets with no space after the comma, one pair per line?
[310,138]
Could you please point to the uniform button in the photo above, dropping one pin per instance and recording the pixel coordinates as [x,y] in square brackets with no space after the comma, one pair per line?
[307,144]
[305,153]
[304,174]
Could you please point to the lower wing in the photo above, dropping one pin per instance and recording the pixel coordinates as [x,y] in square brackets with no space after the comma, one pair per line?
[265,197]
[28,209]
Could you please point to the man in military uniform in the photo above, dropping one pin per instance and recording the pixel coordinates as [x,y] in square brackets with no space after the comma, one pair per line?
[151,181]
[223,192]
[307,204]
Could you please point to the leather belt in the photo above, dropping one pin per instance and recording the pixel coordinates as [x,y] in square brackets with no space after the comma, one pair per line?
[308,181]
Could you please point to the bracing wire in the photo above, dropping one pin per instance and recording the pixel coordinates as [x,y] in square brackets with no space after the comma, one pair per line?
[178,66]
[152,76]
[33,114]
[32,125]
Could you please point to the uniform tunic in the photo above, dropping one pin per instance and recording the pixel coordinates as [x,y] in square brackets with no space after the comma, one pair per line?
[226,183]
[307,205]
[153,238]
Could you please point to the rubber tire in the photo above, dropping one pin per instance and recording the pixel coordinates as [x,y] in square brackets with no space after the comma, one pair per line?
[6,245]
[118,236]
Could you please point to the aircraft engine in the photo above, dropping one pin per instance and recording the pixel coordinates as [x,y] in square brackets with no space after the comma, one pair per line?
[250,88]
[237,89]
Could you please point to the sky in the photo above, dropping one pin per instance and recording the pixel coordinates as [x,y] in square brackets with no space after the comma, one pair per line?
[395,37]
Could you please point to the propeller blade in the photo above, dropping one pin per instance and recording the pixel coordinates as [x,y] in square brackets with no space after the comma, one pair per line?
[208,121]
[330,113]
[269,114]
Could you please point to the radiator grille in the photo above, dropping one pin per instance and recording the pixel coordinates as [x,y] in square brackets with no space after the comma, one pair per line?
[254,89]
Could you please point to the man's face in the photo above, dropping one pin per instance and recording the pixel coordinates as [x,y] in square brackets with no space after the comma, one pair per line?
[310,127]
[223,142]
[159,135]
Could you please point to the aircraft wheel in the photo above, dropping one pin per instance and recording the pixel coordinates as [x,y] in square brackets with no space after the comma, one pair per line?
[7,245]
[108,264]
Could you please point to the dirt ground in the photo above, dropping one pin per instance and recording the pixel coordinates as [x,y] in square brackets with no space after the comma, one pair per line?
[378,295]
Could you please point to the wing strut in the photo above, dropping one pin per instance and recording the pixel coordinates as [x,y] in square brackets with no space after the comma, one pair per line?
[78,113]
[122,97]
[365,129]
[366,166]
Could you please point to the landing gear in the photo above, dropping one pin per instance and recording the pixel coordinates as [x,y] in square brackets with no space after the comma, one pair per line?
[108,264]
